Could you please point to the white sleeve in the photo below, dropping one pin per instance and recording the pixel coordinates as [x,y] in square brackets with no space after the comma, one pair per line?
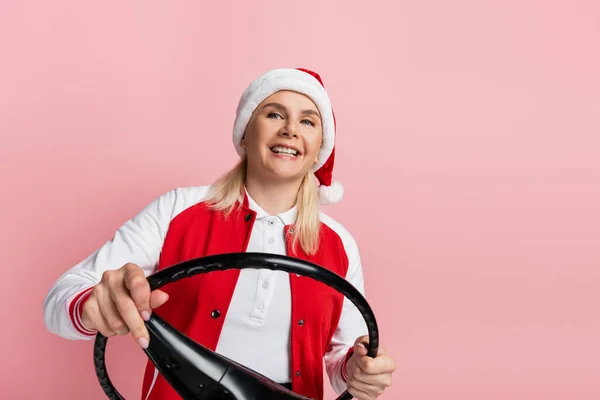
[139,241]
[351,324]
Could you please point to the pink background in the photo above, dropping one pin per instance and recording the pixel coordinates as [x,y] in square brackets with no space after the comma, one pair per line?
[468,144]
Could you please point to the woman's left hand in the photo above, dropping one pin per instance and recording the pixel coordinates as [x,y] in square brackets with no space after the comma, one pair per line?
[368,377]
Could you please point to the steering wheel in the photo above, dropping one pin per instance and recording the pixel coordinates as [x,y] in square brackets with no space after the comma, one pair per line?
[196,372]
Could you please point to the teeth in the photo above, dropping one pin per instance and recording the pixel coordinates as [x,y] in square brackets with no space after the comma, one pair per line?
[284,150]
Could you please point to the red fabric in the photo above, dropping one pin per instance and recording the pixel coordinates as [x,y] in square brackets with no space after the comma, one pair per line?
[325,173]
[199,232]
[316,75]
[76,309]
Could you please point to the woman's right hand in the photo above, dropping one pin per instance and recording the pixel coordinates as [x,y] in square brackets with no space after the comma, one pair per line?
[121,302]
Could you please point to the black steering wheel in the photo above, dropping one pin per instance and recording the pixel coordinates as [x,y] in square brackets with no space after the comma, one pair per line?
[196,372]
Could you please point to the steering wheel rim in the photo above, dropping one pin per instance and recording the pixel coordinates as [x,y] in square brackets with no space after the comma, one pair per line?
[245,260]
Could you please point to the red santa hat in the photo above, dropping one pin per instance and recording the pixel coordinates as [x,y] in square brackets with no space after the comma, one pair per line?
[310,84]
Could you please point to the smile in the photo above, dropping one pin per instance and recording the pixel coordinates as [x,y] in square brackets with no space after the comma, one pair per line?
[284,150]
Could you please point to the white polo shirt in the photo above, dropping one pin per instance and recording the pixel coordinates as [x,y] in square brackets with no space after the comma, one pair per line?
[256,330]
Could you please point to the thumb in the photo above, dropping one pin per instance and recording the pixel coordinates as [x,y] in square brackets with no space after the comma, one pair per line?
[158,298]
[360,346]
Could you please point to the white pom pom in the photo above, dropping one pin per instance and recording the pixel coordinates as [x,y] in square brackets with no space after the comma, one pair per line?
[331,194]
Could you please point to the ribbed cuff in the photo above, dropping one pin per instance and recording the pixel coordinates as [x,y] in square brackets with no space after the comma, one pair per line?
[76,309]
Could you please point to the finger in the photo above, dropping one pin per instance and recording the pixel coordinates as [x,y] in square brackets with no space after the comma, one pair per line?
[103,326]
[360,349]
[94,318]
[110,315]
[372,381]
[361,369]
[362,339]
[359,394]
[382,364]
[371,391]
[372,385]
[158,298]
[139,289]
[130,314]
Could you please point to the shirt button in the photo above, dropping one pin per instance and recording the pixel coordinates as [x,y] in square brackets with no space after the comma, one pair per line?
[301,322]
[297,373]
[260,306]
[215,313]
[265,285]
[248,217]
[271,240]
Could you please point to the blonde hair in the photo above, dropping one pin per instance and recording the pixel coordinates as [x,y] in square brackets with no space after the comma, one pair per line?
[228,191]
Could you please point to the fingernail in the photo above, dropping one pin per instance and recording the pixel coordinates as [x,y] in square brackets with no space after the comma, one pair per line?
[145,315]
[143,342]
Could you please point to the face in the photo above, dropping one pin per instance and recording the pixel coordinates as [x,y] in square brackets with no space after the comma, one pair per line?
[283,137]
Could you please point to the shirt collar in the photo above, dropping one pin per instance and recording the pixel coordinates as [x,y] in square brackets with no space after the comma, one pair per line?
[287,218]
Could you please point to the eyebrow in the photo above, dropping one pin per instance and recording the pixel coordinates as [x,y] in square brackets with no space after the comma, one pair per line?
[281,107]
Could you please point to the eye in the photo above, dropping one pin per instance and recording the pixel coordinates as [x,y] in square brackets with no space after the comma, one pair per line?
[273,115]
[309,121]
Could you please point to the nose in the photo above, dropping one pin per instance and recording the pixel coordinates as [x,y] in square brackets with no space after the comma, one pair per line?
[288,131]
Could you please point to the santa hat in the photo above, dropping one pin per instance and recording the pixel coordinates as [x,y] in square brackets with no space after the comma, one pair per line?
[310,84]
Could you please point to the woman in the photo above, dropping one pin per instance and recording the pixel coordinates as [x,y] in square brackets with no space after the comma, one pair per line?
[279,324]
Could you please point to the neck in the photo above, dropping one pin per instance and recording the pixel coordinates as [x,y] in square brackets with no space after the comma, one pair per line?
[273,197]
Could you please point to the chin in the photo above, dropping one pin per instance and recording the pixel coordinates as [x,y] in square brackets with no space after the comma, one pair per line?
[282,171]
[286,176]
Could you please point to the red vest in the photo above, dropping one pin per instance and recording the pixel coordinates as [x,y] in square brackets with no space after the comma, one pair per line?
[199,231]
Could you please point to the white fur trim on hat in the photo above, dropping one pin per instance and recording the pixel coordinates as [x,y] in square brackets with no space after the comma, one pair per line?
[286,79]
[331,194]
